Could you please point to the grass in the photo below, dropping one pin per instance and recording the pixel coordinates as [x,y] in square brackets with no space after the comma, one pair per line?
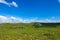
[28,32]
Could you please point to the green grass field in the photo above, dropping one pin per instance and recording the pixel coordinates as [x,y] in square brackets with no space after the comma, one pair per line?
[28,32]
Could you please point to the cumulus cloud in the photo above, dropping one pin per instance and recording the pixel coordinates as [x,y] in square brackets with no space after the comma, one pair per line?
[12,19]
[9,4]
[14,4]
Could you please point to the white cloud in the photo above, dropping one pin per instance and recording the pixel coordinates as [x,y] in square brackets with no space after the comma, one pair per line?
[14,4]
[12,19]
[9,4]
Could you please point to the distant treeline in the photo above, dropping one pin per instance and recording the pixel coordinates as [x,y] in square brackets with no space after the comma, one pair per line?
[37,24]
[33,24]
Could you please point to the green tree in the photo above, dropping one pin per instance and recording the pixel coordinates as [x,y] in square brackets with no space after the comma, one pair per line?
[37,25]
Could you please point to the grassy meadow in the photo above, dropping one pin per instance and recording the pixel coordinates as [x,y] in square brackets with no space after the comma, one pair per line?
[22,31]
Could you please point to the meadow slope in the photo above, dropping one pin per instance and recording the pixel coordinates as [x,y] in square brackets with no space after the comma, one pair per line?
[22,31]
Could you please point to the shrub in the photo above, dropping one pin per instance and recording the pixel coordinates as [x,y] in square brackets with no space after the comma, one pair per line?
[37,25]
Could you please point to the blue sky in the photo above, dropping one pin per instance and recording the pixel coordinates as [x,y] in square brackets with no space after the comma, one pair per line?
[34,9]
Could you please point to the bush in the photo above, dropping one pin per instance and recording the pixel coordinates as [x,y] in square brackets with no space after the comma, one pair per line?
[37,25]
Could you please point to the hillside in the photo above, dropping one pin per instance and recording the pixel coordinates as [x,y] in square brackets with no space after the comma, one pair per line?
[28,31]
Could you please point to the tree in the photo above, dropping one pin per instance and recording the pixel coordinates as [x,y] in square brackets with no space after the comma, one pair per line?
[37,25]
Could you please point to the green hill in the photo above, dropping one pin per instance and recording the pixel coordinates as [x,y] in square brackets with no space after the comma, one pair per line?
[30,31]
